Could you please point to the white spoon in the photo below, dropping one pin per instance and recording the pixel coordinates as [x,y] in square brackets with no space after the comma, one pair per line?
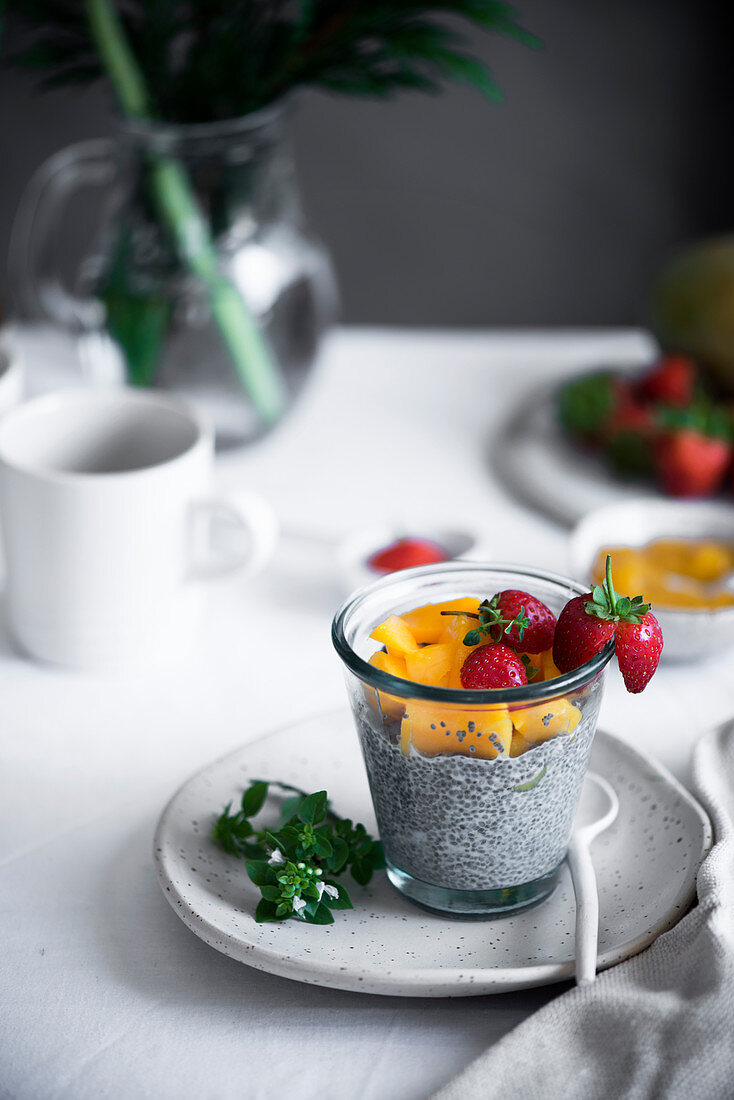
[597,810]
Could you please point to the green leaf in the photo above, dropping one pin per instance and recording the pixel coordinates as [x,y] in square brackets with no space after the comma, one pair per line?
[472,638]
[599,596]
[321,915]
[289,808]
[361,872]
[267,911]
[139,322]
[313,808]
[253,798]
[339,855]
[342,902]
[378,856]
[260,872]
[322,847]
[271,893]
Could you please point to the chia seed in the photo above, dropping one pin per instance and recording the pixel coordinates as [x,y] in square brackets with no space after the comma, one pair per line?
[466,823]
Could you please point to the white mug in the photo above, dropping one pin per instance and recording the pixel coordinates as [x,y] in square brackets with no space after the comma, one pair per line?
[105,505]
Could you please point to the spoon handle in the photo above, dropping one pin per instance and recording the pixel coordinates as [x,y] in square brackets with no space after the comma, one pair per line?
[587,910]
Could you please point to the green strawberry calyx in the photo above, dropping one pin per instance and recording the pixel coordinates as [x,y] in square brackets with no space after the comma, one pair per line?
[607,604]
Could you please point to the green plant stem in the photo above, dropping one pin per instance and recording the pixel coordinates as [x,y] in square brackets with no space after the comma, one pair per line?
[610,585]
[179,208]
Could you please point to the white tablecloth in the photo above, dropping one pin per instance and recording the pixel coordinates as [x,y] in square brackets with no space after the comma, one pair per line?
[103,991]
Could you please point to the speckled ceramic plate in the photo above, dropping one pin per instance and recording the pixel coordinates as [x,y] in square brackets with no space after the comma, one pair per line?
[539,466]
[646,865]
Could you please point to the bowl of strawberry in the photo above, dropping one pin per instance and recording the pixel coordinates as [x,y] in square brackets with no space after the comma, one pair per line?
[475,690]
[670,425]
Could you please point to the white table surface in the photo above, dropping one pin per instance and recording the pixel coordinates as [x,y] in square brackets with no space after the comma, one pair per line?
[103,991]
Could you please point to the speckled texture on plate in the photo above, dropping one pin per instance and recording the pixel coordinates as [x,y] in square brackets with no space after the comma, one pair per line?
[646,865]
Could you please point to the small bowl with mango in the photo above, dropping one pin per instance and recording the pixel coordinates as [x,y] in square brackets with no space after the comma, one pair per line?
[680,554]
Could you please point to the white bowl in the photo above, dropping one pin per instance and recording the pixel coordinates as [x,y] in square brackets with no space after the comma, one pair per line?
[687,635]
[353,552]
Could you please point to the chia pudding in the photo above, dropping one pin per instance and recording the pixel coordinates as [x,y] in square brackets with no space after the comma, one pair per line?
[465,823]
[475,743]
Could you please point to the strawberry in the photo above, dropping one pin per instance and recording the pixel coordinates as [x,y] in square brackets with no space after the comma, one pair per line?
[579,636]
[672,381]
[406,553]
[587,623]
[631,434]
[533,636]
[493,666]
[638,647]
[691,463]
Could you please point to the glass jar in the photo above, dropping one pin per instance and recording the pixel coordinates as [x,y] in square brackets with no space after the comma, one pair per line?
[474,790]
[203,279]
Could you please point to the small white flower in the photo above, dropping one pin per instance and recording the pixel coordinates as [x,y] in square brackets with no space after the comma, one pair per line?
[298,905]
[324,888]
[277,859]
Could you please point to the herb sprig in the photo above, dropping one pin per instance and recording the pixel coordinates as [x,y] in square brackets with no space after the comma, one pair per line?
[491,622]
[292,863]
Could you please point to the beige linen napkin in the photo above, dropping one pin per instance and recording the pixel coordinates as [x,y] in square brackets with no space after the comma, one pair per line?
[659,1026]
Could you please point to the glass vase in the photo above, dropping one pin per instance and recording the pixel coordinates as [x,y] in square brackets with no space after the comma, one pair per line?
[202,278]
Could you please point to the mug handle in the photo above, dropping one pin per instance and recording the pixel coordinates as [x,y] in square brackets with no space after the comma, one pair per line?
[238,514]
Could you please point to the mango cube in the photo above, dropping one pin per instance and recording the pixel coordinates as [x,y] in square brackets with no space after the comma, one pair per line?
[395,636]
[393,666]
[519,745]
[381,701]
[548,666]
[430,665]
[485,733]
[540,723]
[427,624]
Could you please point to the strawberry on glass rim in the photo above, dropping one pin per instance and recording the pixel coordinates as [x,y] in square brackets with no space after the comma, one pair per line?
[587,623]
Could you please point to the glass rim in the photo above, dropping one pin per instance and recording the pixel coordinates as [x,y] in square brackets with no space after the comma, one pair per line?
[395,685]
[160,135]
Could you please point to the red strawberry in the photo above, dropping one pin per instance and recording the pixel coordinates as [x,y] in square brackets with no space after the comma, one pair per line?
[588,622]
[631,416]
[406,553]
[691,464]
[579,636]
[671,381]
[638,647]
[541,622]
[493,666]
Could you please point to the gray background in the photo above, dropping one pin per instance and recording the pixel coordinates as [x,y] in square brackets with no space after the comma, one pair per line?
[555,208]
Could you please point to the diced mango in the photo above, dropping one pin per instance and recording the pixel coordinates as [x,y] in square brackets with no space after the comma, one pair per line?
[548,666]
[540,723]
[391,705]
[393,666]
[485,732]
[453,635]
[396,636]
[426,624]
[430,665]
[519,745]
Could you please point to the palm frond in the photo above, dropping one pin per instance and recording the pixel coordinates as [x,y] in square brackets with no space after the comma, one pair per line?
[211,59]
